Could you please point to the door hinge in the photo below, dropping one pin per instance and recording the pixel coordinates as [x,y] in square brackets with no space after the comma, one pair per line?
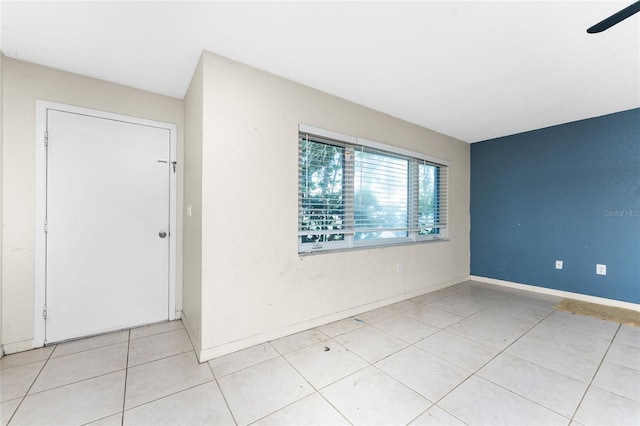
[46,225]
[174,163]
[44,312]
[46,138]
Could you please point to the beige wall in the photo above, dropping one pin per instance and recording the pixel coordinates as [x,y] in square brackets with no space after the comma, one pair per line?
[23,83]
[1,192]
[255,286]
[192,279]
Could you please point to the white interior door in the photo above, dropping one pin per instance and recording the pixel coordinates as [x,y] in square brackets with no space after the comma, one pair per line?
[107,225]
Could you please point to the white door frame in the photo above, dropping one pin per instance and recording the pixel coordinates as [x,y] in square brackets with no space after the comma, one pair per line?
[41,204]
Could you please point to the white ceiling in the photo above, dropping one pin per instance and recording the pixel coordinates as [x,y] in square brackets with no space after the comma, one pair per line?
[472,70]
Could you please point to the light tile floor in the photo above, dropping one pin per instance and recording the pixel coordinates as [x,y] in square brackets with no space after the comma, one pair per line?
[469,354]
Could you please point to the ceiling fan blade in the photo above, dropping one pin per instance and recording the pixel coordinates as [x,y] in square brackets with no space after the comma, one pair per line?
[615,18]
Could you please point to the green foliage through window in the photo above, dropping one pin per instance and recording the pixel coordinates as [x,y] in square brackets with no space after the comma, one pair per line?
[321,191]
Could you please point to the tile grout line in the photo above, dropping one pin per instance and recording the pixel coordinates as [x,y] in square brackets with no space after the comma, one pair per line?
[50,358]
[494,357]
[316,390]
[278,355]
[166,396]
[30,386]
[126,376]
[435,403]
[156,334]
[87,350]
[399,350]
[76,382]
[372,325]
[162,358]
[155,360]
[540,321]
[215,379]
[470,340]
[366,324]
[595,373]
[409,345]
[334,407]
[81,339]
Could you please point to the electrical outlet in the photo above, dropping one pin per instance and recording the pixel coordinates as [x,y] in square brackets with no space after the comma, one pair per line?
[559,264]
[398,267]
[601,269]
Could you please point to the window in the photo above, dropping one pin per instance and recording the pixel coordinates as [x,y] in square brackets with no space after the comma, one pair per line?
[322,198]
[355,193]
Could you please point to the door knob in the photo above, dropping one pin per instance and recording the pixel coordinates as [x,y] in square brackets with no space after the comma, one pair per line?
[162,234]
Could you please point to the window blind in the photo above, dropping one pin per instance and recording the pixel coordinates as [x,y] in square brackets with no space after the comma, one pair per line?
[381,192]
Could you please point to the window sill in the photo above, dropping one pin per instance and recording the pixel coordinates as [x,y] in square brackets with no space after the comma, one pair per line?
[370,247]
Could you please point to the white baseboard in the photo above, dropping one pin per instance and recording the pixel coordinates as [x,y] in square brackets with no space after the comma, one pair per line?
[559,293]
[12,348]
[211,353]
[195,339]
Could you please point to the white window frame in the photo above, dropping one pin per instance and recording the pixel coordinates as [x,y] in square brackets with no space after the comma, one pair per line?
[414,158]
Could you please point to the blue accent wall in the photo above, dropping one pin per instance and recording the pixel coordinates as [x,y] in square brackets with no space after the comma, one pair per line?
[569,192]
